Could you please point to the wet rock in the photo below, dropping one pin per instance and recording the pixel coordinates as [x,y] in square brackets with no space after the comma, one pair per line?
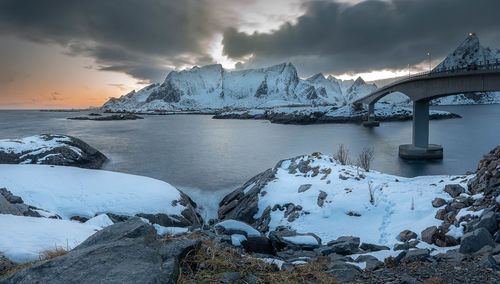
[475,240]
[454,190]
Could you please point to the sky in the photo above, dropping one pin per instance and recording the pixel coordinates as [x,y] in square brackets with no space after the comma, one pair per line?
[76,54]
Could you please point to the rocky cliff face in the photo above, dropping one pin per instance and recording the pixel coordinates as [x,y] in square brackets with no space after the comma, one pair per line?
[214,87]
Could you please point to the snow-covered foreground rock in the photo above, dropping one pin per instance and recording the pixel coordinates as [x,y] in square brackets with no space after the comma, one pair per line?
[316,194]
[68,192]
[25,238]
[328,114]
[50,150]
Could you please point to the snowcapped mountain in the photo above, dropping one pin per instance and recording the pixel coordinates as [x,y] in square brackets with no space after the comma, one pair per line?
[214,87]
[470,51]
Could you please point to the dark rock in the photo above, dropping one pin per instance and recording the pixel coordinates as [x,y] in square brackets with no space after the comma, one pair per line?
[407,279]
[487,261]
[230,277]
[400,257]
[438,202]
[403,246]
[7,208]
[475,240]
[488,221]
[5,264]
[87,157]
[365,257]
[373,264]
[251,279]
[417,255]
[429,235]
[451,256]
[189,216]
[242,206]
[11,198]
[304,187]
[343,271]
[79,219]
[345,245]
[258,245]
[407,235]
[440,215]
[454,190]
[126,252]
[122,116]
[372,247]
[321,198]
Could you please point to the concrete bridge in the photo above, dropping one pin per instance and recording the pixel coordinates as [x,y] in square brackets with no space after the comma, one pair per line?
[422,88]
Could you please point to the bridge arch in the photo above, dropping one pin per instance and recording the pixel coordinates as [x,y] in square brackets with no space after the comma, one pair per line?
[423,88]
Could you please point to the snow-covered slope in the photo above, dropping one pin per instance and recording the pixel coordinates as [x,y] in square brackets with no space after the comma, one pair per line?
[215,88]
[316,194]
[69,191]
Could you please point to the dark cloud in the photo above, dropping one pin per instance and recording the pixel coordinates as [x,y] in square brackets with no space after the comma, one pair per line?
[122,35]
[336,38]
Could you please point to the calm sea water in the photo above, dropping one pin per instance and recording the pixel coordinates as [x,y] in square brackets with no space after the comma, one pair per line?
[200,154]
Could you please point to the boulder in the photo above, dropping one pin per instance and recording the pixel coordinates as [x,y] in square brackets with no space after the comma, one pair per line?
[7,208]
[372,247]
[242,204]
[48,149]
[343,271]
[407,235]
[454,190]
[438,202]
[488,221]
[344,245]
[475,240]
[321,198]
[429,235]
[304,187]
[417,255]
[127,252]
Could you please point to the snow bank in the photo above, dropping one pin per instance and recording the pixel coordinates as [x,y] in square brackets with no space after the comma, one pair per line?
[240,226]
[24,238]
[69,191]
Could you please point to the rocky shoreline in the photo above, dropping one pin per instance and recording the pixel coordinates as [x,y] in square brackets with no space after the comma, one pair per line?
[309,216]
[326,115]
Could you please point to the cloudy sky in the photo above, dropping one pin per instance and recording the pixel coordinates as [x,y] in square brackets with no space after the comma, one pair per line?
[73,53]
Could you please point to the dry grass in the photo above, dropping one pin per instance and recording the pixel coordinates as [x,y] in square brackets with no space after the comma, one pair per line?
[342,155]
[433,280]
[212,261]
[44,256]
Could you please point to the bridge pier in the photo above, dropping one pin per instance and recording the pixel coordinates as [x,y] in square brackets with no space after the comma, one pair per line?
[371,117]
[420,147]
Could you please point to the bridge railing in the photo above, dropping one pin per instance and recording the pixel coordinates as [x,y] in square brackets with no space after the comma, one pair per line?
[475,66]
